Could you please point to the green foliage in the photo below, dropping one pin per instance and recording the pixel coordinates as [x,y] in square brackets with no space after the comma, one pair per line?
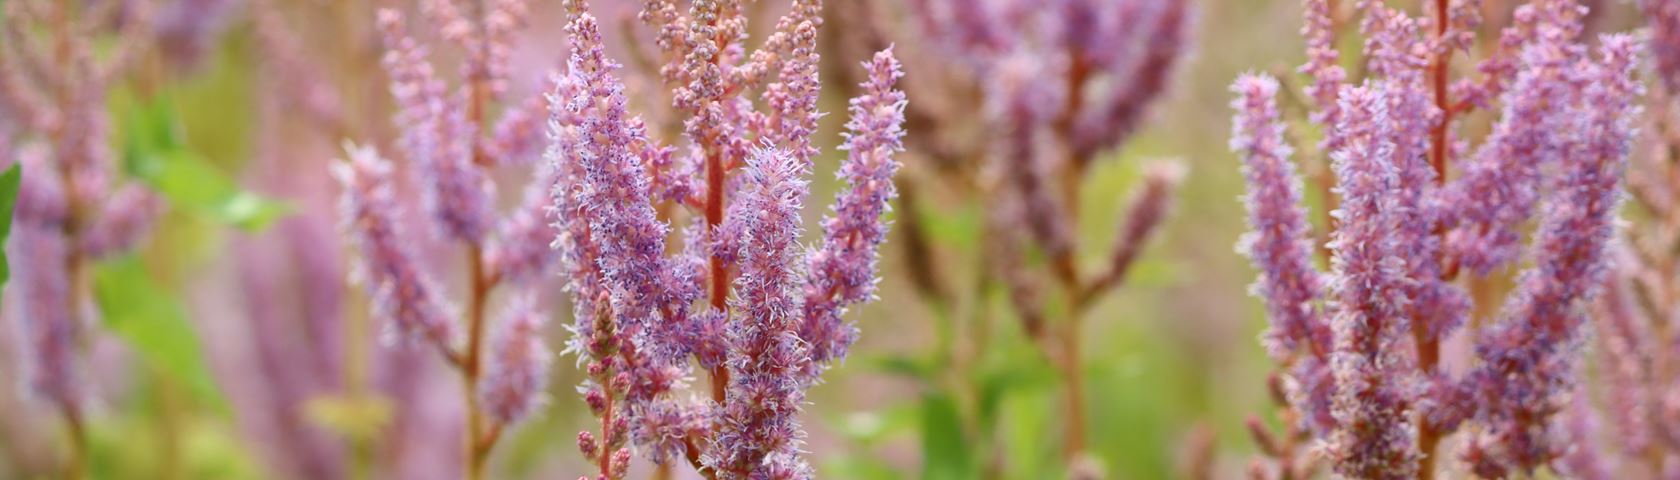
[9,183]
[958,227]
[946,450]
[146,439]
[154,150]
[360,417]
[1140,396]
[152,322]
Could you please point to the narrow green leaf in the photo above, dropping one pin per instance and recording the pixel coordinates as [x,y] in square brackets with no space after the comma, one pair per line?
[9,183]
[900,365]
[945,447]
[154,150]
[154,324]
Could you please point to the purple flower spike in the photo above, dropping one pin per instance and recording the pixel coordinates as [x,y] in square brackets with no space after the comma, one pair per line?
[614,193]
[842,270]
[1163,30]
[126,218]
[401,291]
[1374,436]
[1323,65]
[523,251]
[1280,243]
[438,139]
[757,433]
[49,327]
[793,99]
[1663,18]
[1528,358]
[516,381]
[1415,206]
[1497,191]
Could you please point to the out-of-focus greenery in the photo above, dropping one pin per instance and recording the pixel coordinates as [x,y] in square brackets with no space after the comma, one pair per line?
[10,180]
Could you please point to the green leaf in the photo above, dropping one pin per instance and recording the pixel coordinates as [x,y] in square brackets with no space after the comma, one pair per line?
[870,427]
[1026,428]
[9,183]
[860,467]
[152,322]
[1014,373]
[901,365]
[155,151]
[958,227]
[945,446]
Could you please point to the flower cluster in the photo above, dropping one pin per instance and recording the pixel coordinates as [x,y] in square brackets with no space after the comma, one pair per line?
[760,314]
[1636,336]
[72,208]
[453,147]
[1360,345]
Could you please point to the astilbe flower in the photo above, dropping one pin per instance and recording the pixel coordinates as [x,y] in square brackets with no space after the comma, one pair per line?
[1638,369]
[1663,20]
[439,139]
[408,300]
[72,209]
[1280,246]
[1374,437]
[1528,356]
[759,424]
[1058,84]
[842,270]
[762,316]
[517,380]
[453,145]
[1402,230]
[188,29]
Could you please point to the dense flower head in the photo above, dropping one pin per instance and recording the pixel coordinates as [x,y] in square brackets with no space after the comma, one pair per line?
[1020,109]
[1408,217]
[517,138]
[516,377]
[1529,354]
[51,325]
[793,98]
[402,292]
[1498,190]
[1280,242]
[738,292]
[438,137]
[1118,55]
[1280,245]
[72,207]
[1374,435]
[842,269]
[1323,65]
[523,251]
[613,194]
[1663,19]
[758,428]
[124,219]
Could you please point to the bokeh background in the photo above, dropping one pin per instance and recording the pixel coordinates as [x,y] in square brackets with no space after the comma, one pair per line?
[284,376]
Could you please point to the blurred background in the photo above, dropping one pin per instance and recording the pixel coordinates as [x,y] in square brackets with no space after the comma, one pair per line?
[240,351]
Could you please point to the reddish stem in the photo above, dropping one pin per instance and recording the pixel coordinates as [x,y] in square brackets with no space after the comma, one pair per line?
[477,446]
[719,274]
[1428,346]
[605,460]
